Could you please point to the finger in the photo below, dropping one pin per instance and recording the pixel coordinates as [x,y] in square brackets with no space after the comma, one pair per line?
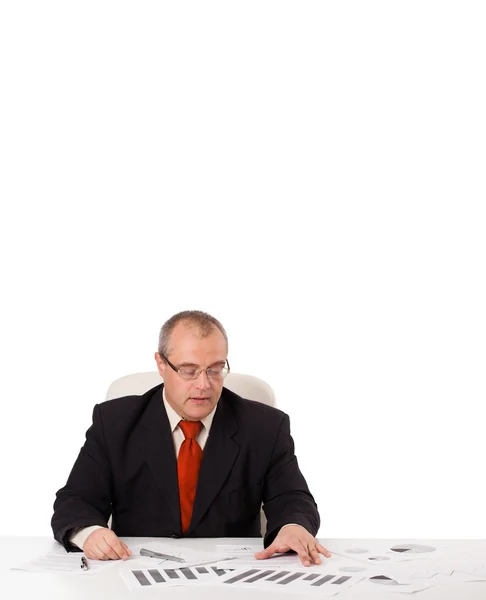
[118,547]
[305,559]
[127,549]
[90,553]
[115,545]
[267,553]
[102,555]
[314,554]
[271,550]
[301,549]
[94,551]
[107,550]
[324,551]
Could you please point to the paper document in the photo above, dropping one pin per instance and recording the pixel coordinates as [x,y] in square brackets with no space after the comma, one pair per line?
[391,585]
[380,552]
[191,556]
[292,582]
[241,557]
[69,562]
[158,576]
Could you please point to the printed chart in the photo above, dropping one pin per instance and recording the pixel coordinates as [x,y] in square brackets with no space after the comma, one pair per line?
[413,549]
[291,580]
[137,578]
[380,553]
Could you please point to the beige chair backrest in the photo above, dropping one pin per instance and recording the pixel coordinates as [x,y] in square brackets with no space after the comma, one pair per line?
[246,386]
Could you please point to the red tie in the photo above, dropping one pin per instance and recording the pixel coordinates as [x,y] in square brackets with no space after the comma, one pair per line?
[188,463]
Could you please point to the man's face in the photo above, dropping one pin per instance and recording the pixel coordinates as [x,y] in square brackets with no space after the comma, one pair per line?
[193,399]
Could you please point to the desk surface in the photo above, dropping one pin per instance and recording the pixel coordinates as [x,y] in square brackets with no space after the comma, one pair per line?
[108,585]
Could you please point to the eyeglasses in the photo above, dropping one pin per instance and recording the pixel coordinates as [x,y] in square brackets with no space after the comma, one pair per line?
[192,373]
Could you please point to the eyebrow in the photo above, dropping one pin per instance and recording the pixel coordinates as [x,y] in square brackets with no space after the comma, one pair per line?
[189,364]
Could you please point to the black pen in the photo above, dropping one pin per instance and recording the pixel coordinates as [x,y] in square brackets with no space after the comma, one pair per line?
[84,564]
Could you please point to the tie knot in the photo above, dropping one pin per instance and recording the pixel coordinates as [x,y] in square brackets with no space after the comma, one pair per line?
[190,429]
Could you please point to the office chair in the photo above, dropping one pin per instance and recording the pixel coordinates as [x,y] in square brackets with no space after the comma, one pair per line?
[246,386]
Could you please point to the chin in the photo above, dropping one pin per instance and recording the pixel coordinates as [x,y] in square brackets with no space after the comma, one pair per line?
[199,412]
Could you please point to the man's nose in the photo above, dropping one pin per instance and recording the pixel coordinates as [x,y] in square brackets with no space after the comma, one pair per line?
[202,382]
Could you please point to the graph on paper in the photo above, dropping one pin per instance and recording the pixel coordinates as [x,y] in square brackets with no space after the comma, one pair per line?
[143,578]
[295,580]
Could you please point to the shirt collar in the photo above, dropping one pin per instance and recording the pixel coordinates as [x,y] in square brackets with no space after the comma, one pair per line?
[174,418]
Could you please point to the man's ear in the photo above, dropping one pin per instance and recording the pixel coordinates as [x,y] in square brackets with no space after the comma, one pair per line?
[161,366]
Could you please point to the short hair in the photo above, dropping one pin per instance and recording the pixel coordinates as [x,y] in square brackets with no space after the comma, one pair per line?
[204,322]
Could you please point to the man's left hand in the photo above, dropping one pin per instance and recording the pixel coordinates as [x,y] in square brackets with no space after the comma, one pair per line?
[297,538]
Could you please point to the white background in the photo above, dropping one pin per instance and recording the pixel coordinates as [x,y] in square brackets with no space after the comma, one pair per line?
[313,174]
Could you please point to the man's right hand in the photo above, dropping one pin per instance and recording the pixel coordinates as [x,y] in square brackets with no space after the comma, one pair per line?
[103,544]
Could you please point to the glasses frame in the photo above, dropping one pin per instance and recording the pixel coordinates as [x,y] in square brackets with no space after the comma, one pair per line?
[198,371]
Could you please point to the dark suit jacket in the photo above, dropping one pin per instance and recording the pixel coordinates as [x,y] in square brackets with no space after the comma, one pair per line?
[128,468]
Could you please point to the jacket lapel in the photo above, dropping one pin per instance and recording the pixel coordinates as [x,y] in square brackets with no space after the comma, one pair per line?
[156,441]
[219,455]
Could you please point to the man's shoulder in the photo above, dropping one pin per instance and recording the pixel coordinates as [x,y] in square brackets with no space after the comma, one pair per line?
[246,407]
[257,422]
[130,405]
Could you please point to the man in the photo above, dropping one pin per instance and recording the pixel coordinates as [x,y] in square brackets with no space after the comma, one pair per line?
[188,458]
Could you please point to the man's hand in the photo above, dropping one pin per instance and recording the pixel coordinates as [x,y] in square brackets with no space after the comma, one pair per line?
[103,544]
[297,538]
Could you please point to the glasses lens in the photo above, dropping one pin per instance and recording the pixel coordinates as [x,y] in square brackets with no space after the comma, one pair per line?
[189,373]
[218,373]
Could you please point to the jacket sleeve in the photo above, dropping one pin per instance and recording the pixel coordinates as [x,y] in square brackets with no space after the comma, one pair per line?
[87,496]
[287,498]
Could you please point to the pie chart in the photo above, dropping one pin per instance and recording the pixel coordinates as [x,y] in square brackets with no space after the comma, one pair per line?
[384,580]
[412,549]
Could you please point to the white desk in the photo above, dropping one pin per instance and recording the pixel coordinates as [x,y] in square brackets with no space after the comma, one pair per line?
[108,585]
